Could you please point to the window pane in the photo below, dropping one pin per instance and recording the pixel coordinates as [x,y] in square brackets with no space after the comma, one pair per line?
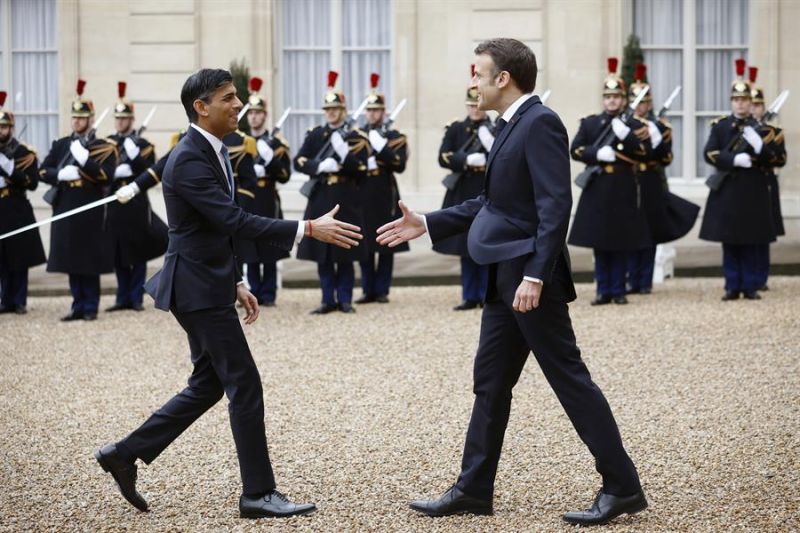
[703,127]
[40,132]
[306,23]
[675,169]
[366,23]
[715,73]
[356,69]
[304,80]
[658,22]
[722,22]
[664,73]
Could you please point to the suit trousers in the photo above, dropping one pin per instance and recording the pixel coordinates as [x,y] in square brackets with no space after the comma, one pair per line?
[506,339]
[222,364]
[474,279]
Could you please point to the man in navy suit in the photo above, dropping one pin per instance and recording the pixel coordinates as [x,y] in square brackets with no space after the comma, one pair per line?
[200,283]
[518,227]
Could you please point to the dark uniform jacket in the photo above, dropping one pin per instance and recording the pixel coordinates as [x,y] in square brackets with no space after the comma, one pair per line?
[24,250]
[740,211]
[200,268]
[135,233]
[380,193]
[460,140]
[609,214]
[76,243]
[333,188]
[669,216]
[776,158]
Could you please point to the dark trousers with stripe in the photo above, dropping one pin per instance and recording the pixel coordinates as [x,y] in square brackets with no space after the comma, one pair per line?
[130,283]
[641,265]
[336,281]
[474,280]
[263,283]
[743,267]
[85,289]
[13,288]
[609,272]
[376,279]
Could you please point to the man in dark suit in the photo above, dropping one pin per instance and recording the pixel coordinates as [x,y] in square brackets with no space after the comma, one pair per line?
[199,284]
[518,227]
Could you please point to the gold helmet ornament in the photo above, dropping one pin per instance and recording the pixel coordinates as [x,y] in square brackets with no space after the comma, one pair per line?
[6,116]
[375,99]
[256,101]
[757,93]
[123,108]
[740,88]
[333,98]
[82,107]
[613,84]
[639,84]
[472,92]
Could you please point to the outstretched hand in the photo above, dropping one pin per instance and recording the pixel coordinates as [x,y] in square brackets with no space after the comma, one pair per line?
[404,229]
[328,229]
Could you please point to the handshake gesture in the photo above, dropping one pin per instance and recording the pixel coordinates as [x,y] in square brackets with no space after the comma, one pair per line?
[329,230]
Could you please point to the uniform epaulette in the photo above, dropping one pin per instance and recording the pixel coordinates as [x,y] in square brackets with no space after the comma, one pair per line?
[665,122]
[175,138]
[718,119]
[361,132]
[250,145]
[281,139]
[30,148]
[454,121]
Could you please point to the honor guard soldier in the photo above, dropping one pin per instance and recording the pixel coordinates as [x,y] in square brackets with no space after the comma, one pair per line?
[609,218]
[669,217]
[273,165]
[776,159]
[19,172]
[379,197]
[136,233]
[738,210]
[242,152]
[79,167]
[334,155]
[464,150]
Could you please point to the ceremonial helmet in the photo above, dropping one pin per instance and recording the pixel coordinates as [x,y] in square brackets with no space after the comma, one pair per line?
[757,93]
[256,101]
[6,116]
[472,92]
[375,99]
[124,108]
[82,107]
[613,84]
[740,88]
[639,84]
[333,98]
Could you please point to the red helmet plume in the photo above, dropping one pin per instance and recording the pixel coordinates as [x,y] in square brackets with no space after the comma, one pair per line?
[373,80]
[255,84]
[121,87]
[80,87]
[3,96]
[740,64]
[753,74]
[641,72]
[332,77]
[613,62]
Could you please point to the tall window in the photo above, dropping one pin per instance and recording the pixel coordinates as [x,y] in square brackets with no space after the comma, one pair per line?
[352,37]
[29,68]
[692,43]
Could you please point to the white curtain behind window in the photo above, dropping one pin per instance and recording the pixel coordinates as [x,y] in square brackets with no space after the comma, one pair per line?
[34,71]
[367,40]
[3,26]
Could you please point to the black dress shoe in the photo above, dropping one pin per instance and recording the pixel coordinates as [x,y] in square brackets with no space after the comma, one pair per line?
[137,307]
[645,290]
[751,295]
[273,504]
[466,305]
[764,288]
[601,300]
[730,295]
[90,316]
[7,309]
[73,315]
[366,299]
[347,308]
[632,290]
[382,299]
[620,300]
[324,309]
[124,474]
[268,304]
[117,307]
[21,310]
[607,507]
[454,501]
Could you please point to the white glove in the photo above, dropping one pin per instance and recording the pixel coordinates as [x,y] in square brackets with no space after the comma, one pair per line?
[372,163]
[486,137]
[265,151]
[742,160]
[80,153]
[606,154]
[2,182]
[261,170]
[130,148]
[655,134]
[478,159]
[328,164]
[6,164]
[339,146]
[69,173]
[126,193]
[620,129]
[753,138]
[377,140]
[123,171]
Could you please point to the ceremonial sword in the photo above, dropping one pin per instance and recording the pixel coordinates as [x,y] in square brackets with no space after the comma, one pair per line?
[86,207]
[545,96]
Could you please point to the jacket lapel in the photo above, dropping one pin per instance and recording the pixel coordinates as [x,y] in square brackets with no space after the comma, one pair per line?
[498,142]
[202,143]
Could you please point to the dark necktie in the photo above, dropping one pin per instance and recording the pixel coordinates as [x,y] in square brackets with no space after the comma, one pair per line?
[228,167]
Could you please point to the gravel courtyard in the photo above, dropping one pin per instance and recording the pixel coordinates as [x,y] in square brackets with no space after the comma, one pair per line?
[368,411]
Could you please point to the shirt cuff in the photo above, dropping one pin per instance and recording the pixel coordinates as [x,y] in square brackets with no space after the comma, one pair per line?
[427,233]
[534,280]
[301,229]
[239,283]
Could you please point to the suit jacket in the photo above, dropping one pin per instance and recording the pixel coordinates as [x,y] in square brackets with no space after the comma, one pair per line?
[525,207]
[200,269]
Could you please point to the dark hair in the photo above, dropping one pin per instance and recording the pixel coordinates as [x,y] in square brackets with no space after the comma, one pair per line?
[513,57]
[200,86]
